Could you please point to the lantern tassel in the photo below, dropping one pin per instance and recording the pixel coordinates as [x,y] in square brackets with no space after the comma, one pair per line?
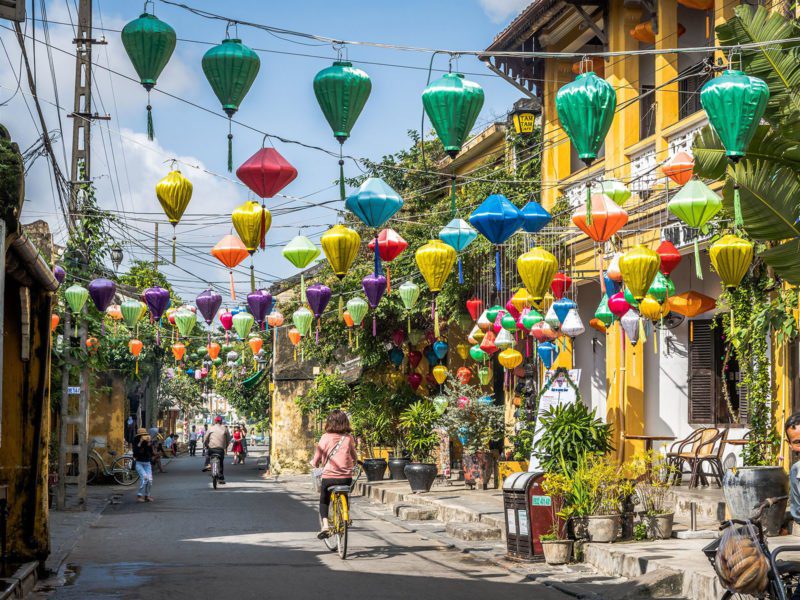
[233,288]
[697,269]
[341,304]
[349,338]
[263,226]
[460,271]
[738,220]
[230,147]
[588,203]
[150,130]
[378,269]
[341,176]
[174,243]
[388,280]
[252,275]
[435,318]
[409,323]
[374,325]
[655,342]
[691,331]
[497,283]
[317,337]
[137,366]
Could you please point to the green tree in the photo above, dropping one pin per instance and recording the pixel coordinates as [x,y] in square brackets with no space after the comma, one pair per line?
[181,391]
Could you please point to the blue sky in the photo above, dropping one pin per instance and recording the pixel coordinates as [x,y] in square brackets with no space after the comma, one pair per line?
[127,166]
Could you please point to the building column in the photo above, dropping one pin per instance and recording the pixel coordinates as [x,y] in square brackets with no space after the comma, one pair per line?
[556,155]
[666,66]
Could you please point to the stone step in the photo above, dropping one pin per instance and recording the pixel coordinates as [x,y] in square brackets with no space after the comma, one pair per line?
[472,531]
[411,512]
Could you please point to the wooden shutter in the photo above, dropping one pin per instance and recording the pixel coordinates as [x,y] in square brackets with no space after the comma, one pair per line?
[744,404]
[702,378]
[13,10]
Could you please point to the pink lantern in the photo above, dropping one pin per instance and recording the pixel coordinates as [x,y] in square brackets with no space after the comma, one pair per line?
[463,402]
[618,305]
[511,309]
[498,322]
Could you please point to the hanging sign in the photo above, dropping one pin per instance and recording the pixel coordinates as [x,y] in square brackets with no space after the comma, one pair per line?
[559,392]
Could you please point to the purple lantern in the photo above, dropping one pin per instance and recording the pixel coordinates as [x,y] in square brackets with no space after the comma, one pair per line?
[157,300]
[374,288]
[260,304]
[102,293]
[318,296]
[60,274]
[208,304]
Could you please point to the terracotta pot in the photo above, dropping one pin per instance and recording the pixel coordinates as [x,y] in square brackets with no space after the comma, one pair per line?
[557,552]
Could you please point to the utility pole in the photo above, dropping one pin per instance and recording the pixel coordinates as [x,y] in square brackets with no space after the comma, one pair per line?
[74,434]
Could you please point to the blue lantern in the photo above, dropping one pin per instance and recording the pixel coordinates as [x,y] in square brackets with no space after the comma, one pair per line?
[562,307]
[497,219]
[374,203]
[612,287]
[548,352]
[463,435]
[486,400]
[534,217]
[458,234]
[440,349]
[190,371]
[396,356]
[430,356]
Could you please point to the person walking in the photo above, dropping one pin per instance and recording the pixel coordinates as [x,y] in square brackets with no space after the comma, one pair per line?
[336,451]
[193,441]
[143,455]
[237,445]
[244,442]
[217,439]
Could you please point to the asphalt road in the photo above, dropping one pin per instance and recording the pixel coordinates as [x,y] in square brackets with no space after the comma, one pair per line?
[256,539]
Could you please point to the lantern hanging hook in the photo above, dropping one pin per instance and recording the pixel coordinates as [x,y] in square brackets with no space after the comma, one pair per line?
[153,2]
[341,50]
[454,56]
[172,162]
[585,65]
[736,52]
[266,138]
[235,25]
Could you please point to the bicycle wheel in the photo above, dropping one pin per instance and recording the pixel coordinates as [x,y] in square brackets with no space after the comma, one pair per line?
[123,471]
[341,530]
[330,541]
[92,469]
[214,471]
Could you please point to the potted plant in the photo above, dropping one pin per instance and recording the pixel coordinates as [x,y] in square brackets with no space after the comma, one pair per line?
[477,422]
[418,422]
[556,546]
[399,400]
[594,503]
[653,490]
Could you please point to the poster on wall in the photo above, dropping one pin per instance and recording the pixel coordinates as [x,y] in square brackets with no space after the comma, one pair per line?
[559,392]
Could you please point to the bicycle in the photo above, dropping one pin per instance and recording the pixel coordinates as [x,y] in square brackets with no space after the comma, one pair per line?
[339,520]
[121,469]
[214,462]
[783,577]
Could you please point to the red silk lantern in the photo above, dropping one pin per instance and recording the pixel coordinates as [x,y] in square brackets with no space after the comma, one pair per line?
[618,305]
[679,168]
[230,251]
[390,245]
[487,344]
[414,357]
[606,220]
[398,337]
[670,257]
[561,285]
[543,332]
[414,380]
[464,375]
[266,172]
[475,308]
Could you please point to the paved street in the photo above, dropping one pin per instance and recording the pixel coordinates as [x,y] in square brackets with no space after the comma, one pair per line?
[256,539]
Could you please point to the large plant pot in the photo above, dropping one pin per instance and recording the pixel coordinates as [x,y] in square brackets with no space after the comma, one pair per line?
[579,528]
[478,469]
[375,468]
[747,487]
[397,468]
[557,552]
[659,527]
[603,528]
[420,476]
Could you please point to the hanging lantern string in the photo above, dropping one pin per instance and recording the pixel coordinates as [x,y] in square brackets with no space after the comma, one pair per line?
[341,174]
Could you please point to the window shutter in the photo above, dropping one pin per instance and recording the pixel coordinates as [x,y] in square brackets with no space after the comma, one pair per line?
[702,379]
[13,10]
[744,404]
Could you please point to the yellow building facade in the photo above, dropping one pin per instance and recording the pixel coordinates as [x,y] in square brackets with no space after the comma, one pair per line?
[673,383]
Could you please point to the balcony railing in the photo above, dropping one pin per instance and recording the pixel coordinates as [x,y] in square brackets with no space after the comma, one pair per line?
[643,171]
[684,139]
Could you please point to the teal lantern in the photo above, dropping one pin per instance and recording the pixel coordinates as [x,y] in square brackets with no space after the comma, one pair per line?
[231,68]
[342,91]
[585,109]
[453,103]
[149,43]
[735,103]
[458,234]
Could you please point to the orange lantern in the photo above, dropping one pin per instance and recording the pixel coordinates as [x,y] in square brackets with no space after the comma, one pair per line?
[274,319]
[606,220]
[255,344]
[597,324]
[178,350]
[295,337]
[680,167]
[54,321]
[135,346]
[92,343]
[348,320]
[213,349]
[690,304]
[464,375]
[643,32]
[230,251]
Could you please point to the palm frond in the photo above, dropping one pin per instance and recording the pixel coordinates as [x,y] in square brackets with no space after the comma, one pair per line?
[767,145]
[785,260]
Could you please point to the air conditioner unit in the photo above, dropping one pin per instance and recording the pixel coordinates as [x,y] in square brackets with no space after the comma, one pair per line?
[13,10]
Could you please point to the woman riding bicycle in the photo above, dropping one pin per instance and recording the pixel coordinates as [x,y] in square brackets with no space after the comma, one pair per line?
[336,451]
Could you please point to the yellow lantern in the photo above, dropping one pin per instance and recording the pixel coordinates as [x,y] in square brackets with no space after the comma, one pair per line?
[340,245]
[650,308]
[521,299]
[639,267]
[510,358]
[463,351]
[537,268]
[174,193]
[731,257]
[440,374]
[435,261]
[251,221]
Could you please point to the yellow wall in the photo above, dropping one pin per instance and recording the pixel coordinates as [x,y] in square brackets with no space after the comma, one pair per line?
[107,412]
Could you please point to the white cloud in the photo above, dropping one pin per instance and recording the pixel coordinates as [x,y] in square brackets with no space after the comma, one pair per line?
[500,10]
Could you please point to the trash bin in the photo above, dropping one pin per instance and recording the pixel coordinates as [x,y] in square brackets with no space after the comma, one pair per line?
[528,514]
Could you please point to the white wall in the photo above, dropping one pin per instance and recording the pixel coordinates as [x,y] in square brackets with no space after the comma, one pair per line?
[590,350]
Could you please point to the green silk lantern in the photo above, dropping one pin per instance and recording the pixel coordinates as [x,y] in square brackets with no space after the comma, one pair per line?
[453,104]
[301,252]
[478,354]
[342,91]
[484,374]
[132,312]
[660,288]
[585,110]
[185,320]
[629,297]
[735,103]
[149,43]
[231,68]
[409,294]
[243,322]
[603,313]
[695,204]
[357,307]
[76,296]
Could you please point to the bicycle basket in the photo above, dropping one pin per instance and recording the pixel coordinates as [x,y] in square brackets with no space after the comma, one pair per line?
[740,562]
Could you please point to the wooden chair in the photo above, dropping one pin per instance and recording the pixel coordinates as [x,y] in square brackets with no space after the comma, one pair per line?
[677,449]
[714,460]
[704,452]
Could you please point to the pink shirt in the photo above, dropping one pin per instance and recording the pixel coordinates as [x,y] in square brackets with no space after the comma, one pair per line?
[340,466]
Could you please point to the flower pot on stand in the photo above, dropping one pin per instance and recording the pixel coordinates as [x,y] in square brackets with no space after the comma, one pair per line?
[375,468]
[747,487]
[397,468]
[603,528]
[659,527]
[557,552]
[420,476]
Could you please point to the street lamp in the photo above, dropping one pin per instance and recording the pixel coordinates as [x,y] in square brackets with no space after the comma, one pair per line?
[116,256]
